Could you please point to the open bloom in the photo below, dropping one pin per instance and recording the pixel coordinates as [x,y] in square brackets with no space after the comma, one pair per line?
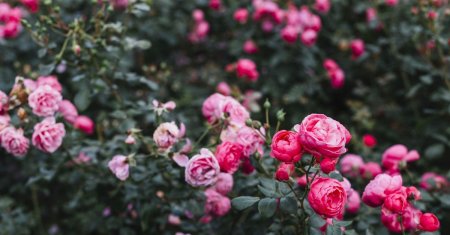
[202,169]
[398,155]
[48,135]
[224,183]
[51,81]
[119,166]
[44,101]
[216,204]
[167,134]
[327,197]
[431,180]
[323,136]
[68,111]
[246,68]
[351,165]
[396,202]
[229,156]
[410,219]
[217,107]
[14,142]
[376,191]
[286,147]
[251,139]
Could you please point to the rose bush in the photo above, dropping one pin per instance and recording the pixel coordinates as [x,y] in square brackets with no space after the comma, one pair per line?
[224,117]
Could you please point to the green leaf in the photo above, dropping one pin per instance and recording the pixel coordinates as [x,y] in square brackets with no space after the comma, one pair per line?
[266,192]
[316,220]
[333,230]
[434,151]
[288,205]
[336,175]
[267,206]
[244,202]
[82,99]
[350,232]
[46,69]
[342,223]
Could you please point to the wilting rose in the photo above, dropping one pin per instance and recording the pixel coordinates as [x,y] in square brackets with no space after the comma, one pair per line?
[351,165]
[286,147]
[44,101]
[370,170]
[327,197]
[68,111]
[84,124]
[376,191]
[202,169]
[396,202]
[284,171]
[224,183]
[167,134]
[353,202]
[119,166]
[14,142]
[228,156]
[410,219]
[323,136]
[429,222]
[51,81]
[48,135]
[216,204]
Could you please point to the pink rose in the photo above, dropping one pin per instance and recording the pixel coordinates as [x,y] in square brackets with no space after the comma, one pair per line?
[167,134]
[369,140]
[215,4]
[370,170]
[323,136]
[431,180]
[68,111]
[322,6]
[202,169]
[216,204]
[246,68]
[51,81]
[130,140]
[286,147]
[337,78]
[284,171]
[228,156]
[84,124]
[250,47]
[29,84]
[198,15]
[236,112]
[48,135]
[357,47]
[410,218]
[4,122]
[119,167]
[3,103]
[32,5]
[119,4]
[241,15]
[412,193]
[82,158]
[249,138]
[396,202]
[376,191]
[327,197]
[213,106]
[429,222]
[173,219]
[351,165]
[353,202]
[330,65]
[397,155]
[160,107]
[223,88]
[14,142]
[371,15]
[289,34]
[391,3]
[44,101]
[224,183]
[309,37]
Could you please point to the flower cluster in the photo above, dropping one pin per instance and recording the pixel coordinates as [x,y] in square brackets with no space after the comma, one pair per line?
[201,27]
[334,73]
[353,166]
[10,18]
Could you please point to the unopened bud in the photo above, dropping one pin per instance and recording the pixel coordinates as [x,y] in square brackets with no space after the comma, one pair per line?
[267,104]
[280,115]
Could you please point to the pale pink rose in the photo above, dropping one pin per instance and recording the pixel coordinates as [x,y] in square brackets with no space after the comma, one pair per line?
[51,81]
[167,134]
[198,15]
[44,101]
[250,47]
[14,142]
[180,159]
[213,106]
[330,65]
[84,124]
[410,219]
[323,136]
[174,219]
[246,68]
[241,15]
[223,88]
[120,167]
[48,135]
[3,103]
[322,6]
[29,84]
[289,34]
[224,183]
[371,15]
[370,170]
[68,111]
[378,188]
[216,204]
[346,185]
[357,47]
[249,138]
[202,169]
[351,165]
[309,37]
[229,156]
[396,156]
[353,202]
[4,121]
[130,140]
[431,180]
[327,197]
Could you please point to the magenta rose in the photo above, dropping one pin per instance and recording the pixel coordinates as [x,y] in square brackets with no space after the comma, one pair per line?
[327,197]
[216,204]
[322,6]
[396,202]
[48,135]
[228,156]
[323,136]
[284,171]
[286,147]
[44,101]
[14,142]
[202,169]
[429,222]
[84,124]
[410,219]
[246,68]
[376,191]
[119,166]
[224,183]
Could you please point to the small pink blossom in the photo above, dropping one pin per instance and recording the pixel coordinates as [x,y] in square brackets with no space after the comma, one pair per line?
[32,5]
[4,121]
[216,204]
[174,219]
[353,202]
[322,6]
[241,15]
[160,107]
[130,140]
[82,158]
[246,68]
[202,169]
[198,15]
[284,171]
[224,183]
[14,142]
[223,88]
[44,101]
[351,165]
[250,47]
[48,135]
[357,47]
[370,170]
[167,134]
[84,124]
[68,111]
[309,37]
[378,188]
[119,166]
[397,156]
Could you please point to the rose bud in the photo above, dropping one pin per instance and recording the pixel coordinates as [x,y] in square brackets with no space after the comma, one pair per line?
[327,197]
[286,147]
[357,46]
[396,202]
[429,222]
[369,140]
[328,165]
[241,15]
[84,124]
[284,171]
[250,47]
